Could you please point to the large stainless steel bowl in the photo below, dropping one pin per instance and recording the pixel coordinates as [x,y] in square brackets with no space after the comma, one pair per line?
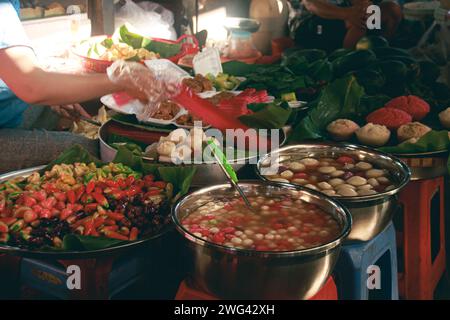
[232,273]
[371,214]
[426,165]
[206,173]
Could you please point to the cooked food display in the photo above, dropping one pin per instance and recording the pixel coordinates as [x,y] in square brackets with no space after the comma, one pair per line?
[90,130]
[110,201]
[188,120]
[125,44]
[34,9]
[392,118]
[278,223]
[374,135]
[198,83]
[224,81]
[412,130]
[215,99]
[180,145]
[342,129]
[414,106]
[110,51]
[342,176]
[400,114]
[167,110]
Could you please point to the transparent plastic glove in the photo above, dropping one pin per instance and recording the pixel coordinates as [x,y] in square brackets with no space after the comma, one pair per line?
[144,84]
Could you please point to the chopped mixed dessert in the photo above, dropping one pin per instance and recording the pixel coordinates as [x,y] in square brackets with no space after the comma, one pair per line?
[277,223]
[341,176]
[110,201]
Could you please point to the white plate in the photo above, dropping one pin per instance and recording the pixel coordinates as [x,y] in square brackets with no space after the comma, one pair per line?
[210,94]
[163,68]
[132,107]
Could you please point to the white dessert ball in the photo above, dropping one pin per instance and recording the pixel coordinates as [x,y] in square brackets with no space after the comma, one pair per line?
[373,135]
[342,129]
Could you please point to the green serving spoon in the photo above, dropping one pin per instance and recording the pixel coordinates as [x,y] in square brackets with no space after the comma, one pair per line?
[229,171]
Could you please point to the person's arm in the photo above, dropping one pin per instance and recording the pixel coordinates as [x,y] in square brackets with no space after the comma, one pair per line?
[33,85]
[355,14]
[325,10]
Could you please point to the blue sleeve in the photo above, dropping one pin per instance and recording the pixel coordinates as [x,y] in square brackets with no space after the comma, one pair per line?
[11,30]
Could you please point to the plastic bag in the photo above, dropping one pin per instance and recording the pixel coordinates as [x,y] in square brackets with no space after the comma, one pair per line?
[435,43]
[148,18]
[154,84]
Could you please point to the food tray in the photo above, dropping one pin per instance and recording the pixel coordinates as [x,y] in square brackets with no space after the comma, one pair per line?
[206,173]
[135,106]
[40,254]
[100,66]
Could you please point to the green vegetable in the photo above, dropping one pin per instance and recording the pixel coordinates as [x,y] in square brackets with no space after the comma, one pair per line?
[393,70]
[88,177]
[371,103]
[371,80]
[73,242]
[431,141]
[371,42]
[412,66]
[276,79]
[338,53]
[291,55]
[134,40]
[165,50]
[289,97]
[339,99]
[223,81]
[107,43]
[385,52]
[395,73]
[242,69]
[14,195]
[267,115]
[320,70]
[352,61]
[429,72]
[137,41]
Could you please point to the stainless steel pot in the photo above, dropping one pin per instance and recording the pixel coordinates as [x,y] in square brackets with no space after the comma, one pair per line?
[206,173]
[371,214]
[232,273]
[426,165]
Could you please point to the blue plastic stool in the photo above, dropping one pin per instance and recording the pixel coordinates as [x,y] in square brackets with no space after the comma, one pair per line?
[351,271]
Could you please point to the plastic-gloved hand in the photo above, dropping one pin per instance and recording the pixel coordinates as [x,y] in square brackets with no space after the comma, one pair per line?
[142,83]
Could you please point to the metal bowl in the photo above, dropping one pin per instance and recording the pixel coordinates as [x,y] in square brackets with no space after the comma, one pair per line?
[371,214]
[426,165]
[151,243]
[232,273]
[206,173]
[242,24]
